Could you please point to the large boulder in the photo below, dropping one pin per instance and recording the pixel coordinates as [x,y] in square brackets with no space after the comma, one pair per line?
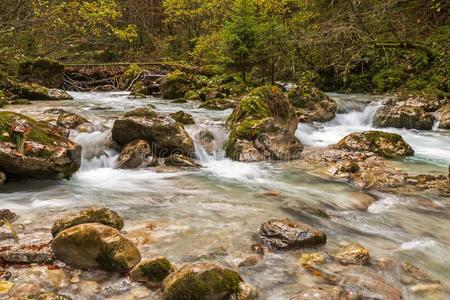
[312,104]
[134,154]
[443,115]
[153,271]
[386,144]
[287,234]
[176,84]
[262,127]
[43,71]
[409,117]
[201,281]
[70,120]
[34,91]
[30,148]
[99,215]
[165,135]
[88,246]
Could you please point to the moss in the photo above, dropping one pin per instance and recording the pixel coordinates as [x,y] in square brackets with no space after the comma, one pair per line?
[192,95]
[211,70]
[30,91]
[108,260]
[155,270]
[183,118]
[44,71]
[205,285]
[129,75]
[390,78]
[176,84]
[143,112]
[38,132]
[250,129]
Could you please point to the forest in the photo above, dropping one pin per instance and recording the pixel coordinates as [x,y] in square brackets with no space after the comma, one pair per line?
[224,149]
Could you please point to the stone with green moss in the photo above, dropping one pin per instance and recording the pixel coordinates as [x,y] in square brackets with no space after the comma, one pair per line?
[30,148]
[192,96]
[390,145]
[34,91]
[201,281]
[262,127]
[219,104]
[131,74]
[43,71]
[312,105]
[95,246]
[176,84]
[100,215]
[164,134]
[70,120]
[183,117]
[153,271]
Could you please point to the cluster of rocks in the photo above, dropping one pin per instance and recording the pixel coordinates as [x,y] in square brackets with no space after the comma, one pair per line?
[348,273]
[419,111]
[91,239]
[262,127]
[145,136]
[39,79]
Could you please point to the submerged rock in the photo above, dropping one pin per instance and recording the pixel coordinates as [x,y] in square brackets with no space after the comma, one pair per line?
[300,207]
[409,117]
[286,234]
[134,155]
[30,148]
[262,127]
[323,292]
[43,296]
[100,215]
[201,281]
[183,117]
[70,120]
[162,132]
[312,258]
[26,254]
[176,160]
[353,254]
[152,272]
[175,85]
[367,284]
[389,145]
[89,246]
[312,104]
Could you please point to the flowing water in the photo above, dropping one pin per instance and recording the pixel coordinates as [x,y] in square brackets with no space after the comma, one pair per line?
[213,213]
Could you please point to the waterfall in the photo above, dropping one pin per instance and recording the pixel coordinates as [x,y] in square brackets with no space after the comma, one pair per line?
[96,152]
[218,135]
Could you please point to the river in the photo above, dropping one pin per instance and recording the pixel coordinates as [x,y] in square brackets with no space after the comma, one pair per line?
[213,213]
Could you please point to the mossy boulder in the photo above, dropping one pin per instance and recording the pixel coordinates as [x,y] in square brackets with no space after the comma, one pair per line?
[176,84]
[30,148]
[164,134]
[286,234]
[409,117]
[262,127]
[192,96]
[43,71]
[183,117]
[134,155]
[201,281]
[34,91]
[100,215]
[89,246]
[311,104]
[70,120]
[390,145]
[152,272]
[130,74]
[443,115]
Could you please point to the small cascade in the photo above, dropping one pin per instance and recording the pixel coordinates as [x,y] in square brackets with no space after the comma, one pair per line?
[209,140]
[96,154]
[362,115]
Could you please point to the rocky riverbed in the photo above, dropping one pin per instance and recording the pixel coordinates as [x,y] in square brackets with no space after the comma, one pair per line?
[347,219]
